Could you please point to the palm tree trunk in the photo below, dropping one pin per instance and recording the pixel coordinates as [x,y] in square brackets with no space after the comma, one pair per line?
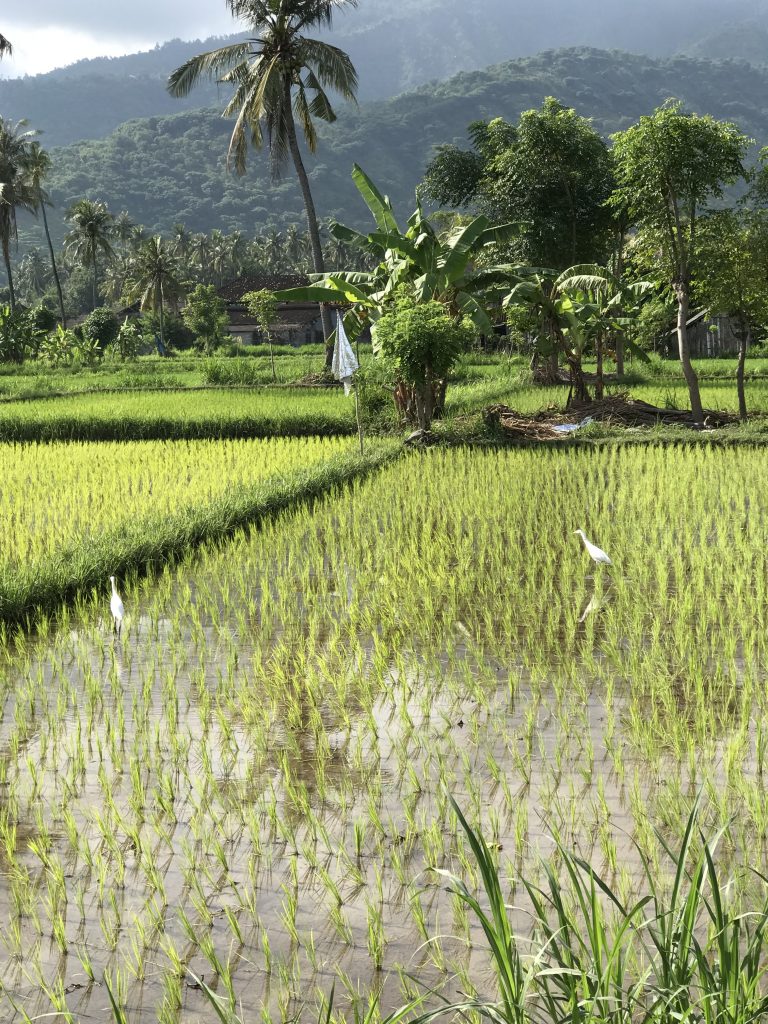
[53,265]
[95,282]
[162,323]
[7,259]
[309,206]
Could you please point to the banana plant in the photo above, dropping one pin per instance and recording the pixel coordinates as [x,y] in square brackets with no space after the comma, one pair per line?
[609,306]
[576,310]
[418,260]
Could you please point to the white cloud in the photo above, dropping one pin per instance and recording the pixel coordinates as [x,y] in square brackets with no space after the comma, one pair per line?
[47,34]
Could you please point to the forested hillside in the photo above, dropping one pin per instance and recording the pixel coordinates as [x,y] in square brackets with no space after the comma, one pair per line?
[168,169]
[396,46]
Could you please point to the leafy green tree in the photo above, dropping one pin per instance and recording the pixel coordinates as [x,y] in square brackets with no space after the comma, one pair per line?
[263,306]
[422,343]
[16,189]
[552,172]
[732,277]
[279,75]
[101,326]
[39,166]
[669,166]
[205,315]
[154,279]
[91,236]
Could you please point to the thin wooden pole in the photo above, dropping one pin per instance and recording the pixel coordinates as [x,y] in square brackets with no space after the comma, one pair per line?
[359,421]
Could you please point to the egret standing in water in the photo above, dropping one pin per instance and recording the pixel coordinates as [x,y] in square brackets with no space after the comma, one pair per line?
[116,607]
[595,553]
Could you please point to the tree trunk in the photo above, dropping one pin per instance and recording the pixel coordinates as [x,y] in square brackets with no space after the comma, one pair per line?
[619,354]
[314,230]
[683,302]
[7,259]
[162,324]
[439,389]
[579,389]
[95,283]
[428,403]
[744,340]
[553,364]
[600,383]
[53,265]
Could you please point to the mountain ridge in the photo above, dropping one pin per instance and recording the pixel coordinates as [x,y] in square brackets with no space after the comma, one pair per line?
[396,48]
[168,169]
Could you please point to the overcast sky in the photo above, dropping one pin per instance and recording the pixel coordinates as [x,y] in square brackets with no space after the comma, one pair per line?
[50,33]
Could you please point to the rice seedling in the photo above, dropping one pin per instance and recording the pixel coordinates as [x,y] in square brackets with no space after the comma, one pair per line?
[146,416]
[256,775]
[142,502]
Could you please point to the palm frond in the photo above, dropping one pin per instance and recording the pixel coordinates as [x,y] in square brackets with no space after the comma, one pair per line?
[333,67]
[320,106]
[303,112]
[212,64]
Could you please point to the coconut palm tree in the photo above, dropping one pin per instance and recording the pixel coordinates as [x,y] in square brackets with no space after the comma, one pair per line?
[181,240]
[5,47]
[91,234]
[16,189]
[33,276]
[155,279]
[39,165]
[124,228]
[279,76]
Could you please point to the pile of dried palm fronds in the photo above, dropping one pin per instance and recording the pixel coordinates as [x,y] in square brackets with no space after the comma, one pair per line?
[631,412]
[619,409]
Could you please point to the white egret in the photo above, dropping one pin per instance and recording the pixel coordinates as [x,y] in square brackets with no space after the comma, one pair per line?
[595,553]
[116,607]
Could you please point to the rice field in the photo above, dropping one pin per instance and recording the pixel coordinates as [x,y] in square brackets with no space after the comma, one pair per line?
[57,496]
[251,785]
[178,415]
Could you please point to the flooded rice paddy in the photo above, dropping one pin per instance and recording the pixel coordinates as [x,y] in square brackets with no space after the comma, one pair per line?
[250,785]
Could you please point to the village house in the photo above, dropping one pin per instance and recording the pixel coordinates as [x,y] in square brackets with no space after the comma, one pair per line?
[298,323]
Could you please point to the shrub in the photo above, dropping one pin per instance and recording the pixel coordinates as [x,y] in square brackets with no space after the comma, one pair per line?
[422,342]
[100,326]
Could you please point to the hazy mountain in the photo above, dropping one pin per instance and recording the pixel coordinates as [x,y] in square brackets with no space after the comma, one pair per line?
[397,46]
[167,169]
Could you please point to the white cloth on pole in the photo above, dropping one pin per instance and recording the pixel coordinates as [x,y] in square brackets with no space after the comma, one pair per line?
[344,360]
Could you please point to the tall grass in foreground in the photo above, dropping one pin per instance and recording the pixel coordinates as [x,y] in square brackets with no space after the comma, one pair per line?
[687,955]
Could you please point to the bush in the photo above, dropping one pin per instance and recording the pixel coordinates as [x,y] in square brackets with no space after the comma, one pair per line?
[422,342]
[102,327]
[177,334]
[237,371]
